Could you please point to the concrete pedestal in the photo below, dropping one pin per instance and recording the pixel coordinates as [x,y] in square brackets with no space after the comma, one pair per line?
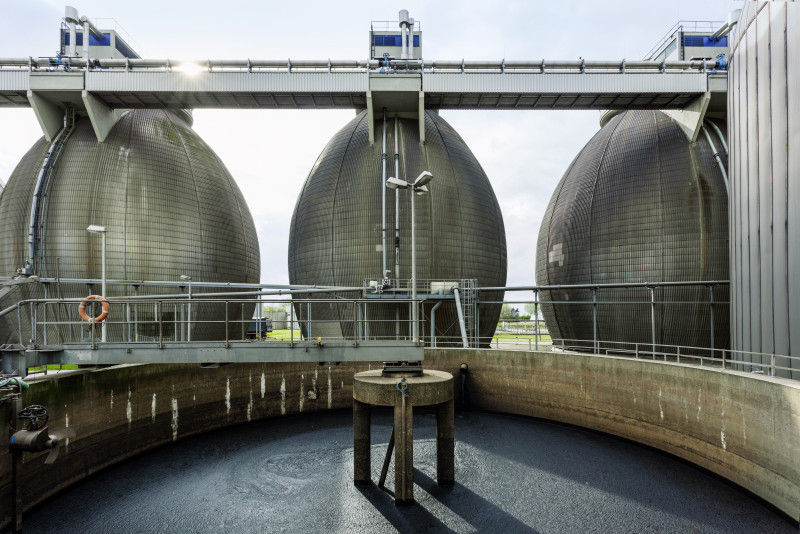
[403,392]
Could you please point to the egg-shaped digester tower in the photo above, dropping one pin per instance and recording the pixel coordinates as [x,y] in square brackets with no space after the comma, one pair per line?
[764,121]
[638,204]
[169,206]
[336,239]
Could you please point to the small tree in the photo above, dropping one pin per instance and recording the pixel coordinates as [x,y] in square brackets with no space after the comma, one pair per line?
[507,313]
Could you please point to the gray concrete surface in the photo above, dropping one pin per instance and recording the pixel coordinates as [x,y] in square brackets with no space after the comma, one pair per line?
[513,474]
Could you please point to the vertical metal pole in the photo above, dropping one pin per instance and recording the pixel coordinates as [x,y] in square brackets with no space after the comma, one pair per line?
[291,325]
[16,469]
[45,320]
[594,319]
[383,196]
[536,316]
[414,309]
[226,325]
[160,326]
[653,318]
[128,320]
[136,314]
[183,319]
[308,320]
[366,322]
[360,322]
[711,310]
[175,322]
[103,330]
[35,322]
[189,326]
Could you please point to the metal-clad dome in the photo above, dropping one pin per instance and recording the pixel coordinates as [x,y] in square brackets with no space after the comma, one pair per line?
[170,207]
[638,204]
[335,234]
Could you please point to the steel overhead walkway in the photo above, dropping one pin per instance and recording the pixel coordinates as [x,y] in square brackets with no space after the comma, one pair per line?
[108,85]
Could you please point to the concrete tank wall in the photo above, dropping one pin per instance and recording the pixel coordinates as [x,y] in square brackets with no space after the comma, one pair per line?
[743,427]
[764,126]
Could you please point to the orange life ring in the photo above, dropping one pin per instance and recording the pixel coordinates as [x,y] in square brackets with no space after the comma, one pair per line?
[99,318]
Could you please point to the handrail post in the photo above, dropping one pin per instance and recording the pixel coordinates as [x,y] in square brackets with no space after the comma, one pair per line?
[355,322]
[711,313]
[291,325]
[772,364]
[35,321]
[136,314]
[227,342]
[91,332]
[653,318]
[160,326]
[536,317]
[594,320]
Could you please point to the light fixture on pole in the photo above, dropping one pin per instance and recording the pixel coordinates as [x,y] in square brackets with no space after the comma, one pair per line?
[418,187]
[94,229]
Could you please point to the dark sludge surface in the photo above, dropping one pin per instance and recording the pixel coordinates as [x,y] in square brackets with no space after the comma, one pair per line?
[513,474]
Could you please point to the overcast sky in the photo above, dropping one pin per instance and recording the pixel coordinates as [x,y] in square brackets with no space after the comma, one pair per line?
[269,153]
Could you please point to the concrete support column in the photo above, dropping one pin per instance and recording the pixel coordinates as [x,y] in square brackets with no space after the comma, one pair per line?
[362,475]
[404,452]
[403,391]
[445,443]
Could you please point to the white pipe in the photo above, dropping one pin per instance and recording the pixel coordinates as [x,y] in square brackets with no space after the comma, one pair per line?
[72,39]
[433,323]
[403,54]
[717,157]
[721,137]
[461,319]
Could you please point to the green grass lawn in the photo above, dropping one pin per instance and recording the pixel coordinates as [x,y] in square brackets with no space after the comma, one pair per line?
[284,335]
[56,367]
[545,338]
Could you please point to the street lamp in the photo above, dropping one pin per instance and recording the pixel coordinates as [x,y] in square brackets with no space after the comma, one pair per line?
[418,187]
[94,229]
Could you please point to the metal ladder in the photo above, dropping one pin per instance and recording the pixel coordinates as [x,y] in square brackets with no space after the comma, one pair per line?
[469,301]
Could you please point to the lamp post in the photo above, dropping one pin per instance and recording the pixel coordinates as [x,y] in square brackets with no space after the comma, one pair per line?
[94,229]
[418,187]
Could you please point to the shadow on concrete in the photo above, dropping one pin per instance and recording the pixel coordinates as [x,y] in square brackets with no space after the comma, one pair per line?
[467,504]
[410,518]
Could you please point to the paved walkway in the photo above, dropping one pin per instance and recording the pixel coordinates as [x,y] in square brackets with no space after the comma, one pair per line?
[512,475]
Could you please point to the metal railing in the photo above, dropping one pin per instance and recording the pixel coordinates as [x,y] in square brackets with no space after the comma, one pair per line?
[543,66]
[43,323]
[181,318]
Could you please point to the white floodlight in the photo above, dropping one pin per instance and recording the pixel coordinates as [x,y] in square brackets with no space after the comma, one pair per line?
[423,179]
[397,183]
[420,189]
[96,229]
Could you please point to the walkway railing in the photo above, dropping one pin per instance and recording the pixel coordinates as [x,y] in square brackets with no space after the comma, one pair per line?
[543,66]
